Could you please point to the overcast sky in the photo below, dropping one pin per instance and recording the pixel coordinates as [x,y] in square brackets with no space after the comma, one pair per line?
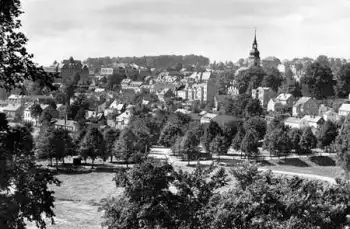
[219,29]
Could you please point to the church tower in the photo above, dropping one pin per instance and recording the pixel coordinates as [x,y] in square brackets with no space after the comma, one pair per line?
[254,55]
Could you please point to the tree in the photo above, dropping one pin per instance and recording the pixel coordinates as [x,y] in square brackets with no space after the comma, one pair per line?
[237,140]
[307,141]
[23,184]
[250,144]
[218,147]
[273,79]
[295,136]
[148,202]
[16,63]
[54,143]
[342,144]
[35,111]
[261,200]
[113,81]
[46,117]
[279,142]
[93,144]
[249,79]
[342,87]
[111,136]
[236,107]
[169,134]
[318,81]
[256,124]
[253,108]
[326,134]
[212,130]
[189,145]
[125,147]
[29,198]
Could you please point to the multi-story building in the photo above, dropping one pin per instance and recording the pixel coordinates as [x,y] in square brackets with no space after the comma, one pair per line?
[264,94]
[69,69]
[305,106]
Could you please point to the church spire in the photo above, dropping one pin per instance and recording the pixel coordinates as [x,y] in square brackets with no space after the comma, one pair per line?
[255,43]
[254,54]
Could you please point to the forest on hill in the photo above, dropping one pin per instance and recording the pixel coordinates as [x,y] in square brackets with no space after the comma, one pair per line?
[160,62]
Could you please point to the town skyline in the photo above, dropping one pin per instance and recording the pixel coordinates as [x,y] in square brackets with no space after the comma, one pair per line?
[221,31]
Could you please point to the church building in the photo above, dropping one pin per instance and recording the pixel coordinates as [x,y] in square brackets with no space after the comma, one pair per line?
[254,54]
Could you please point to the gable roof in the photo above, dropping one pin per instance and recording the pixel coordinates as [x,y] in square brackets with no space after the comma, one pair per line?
[310,118]
[344,107]
[12,107]
[284,96]
[292,120]
[209,116]
[302,101]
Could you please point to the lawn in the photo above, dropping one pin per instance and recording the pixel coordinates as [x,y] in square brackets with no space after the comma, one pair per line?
[317,165]
[78,197]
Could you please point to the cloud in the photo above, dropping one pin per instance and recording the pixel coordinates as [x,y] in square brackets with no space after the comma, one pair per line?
[221,29]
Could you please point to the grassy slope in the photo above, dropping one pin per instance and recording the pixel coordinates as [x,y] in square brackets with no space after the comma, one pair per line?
[77,199]
[319,165]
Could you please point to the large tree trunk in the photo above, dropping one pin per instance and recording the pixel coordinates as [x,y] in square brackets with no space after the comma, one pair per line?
[56,164]
[111,158]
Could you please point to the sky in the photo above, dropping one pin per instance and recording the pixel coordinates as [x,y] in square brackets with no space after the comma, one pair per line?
[219,29]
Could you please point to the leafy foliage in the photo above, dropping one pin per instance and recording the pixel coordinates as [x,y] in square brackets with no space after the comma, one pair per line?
[279,143]
[249,79]
[250,144]
[212,130]
[318,81]
[307,141]
[110,136]
[256,124]
[54,143]
[93,144]
[23,184]
[327,134]
[342,87]
[148,201]
[273,79]
[342,144]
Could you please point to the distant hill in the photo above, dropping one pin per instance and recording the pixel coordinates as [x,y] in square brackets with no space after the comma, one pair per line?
[159,62]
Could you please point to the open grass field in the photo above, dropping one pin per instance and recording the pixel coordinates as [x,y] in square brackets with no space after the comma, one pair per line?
[316,165]
[78,197]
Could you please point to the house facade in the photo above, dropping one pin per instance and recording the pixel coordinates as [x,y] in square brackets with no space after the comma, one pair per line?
[275,105]
[263,94]
[286,99]
[344,110]
[305,106]
[312,121]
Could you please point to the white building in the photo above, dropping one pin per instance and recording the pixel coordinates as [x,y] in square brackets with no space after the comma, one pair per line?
[344,110]
[207,117]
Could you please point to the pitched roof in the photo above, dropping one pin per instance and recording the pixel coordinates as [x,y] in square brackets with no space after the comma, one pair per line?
[183,111]
[345,107]
[61,122]
[209,116]
[310,118]
[284,96]
[206,75]
[302,100]
[292,120]
[12,107]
